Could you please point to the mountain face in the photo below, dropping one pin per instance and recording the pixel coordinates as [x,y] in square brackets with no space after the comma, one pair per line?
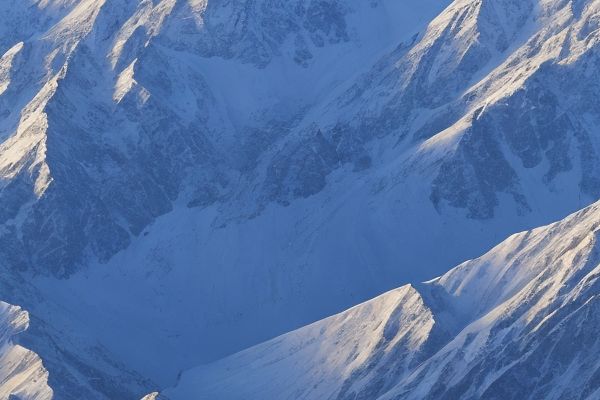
[22,375]
[111,95]
[519,322]
[182,179]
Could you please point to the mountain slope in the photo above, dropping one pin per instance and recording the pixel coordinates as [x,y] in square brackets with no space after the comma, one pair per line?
[517,323]
[117,114]
[22,375]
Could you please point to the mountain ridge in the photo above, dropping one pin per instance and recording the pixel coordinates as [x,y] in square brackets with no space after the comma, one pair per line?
[494,327]
[22,374]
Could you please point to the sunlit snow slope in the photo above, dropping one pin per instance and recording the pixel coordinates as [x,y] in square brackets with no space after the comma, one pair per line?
[520,322]
[22,375]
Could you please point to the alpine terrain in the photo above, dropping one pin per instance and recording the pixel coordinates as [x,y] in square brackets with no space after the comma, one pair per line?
[181,180]
[520,322]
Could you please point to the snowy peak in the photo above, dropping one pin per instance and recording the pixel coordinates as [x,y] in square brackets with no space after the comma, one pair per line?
[397,324]
[534,298]
[92,98]
[22,374]
[515,307]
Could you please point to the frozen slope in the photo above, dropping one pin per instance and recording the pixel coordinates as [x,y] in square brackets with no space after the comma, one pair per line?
[22,375]
[519,322]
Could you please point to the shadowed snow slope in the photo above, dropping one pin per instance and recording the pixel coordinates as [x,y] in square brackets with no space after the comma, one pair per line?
[520,322]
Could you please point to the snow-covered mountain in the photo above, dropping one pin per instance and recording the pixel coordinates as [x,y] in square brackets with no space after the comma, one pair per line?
[520,322]
[22,375]
[181,179]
